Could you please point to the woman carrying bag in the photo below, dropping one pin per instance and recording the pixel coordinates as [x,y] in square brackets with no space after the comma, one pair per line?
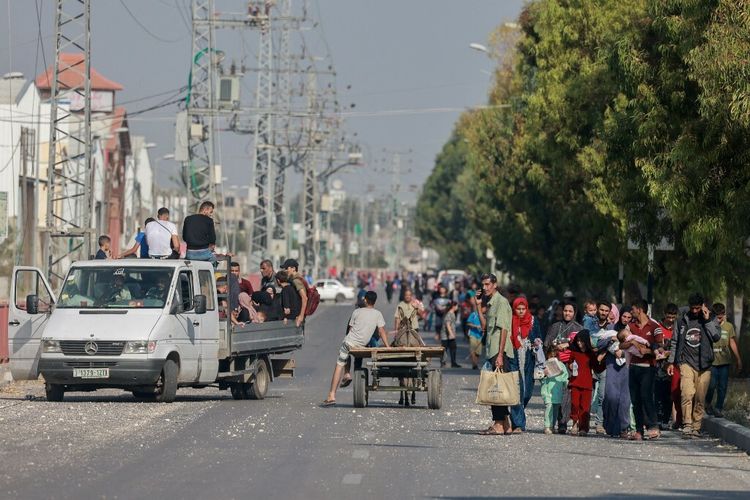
[500,352]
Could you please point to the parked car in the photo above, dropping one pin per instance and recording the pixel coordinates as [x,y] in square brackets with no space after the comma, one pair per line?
[334,290]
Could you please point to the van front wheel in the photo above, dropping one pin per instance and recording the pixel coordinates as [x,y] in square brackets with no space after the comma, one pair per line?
[166,386]
[54,392]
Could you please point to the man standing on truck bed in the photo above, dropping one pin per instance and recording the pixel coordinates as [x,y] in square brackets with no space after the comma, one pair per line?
[161,236]
[199,234]
[298,281]
[362,323]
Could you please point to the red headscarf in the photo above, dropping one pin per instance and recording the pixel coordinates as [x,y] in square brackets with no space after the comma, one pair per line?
[521,325]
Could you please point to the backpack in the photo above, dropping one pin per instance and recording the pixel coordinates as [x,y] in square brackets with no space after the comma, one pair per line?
[313,298]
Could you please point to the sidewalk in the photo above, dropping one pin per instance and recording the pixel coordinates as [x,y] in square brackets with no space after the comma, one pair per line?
[731,433]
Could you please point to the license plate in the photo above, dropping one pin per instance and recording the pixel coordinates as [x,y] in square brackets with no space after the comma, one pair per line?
[91,372]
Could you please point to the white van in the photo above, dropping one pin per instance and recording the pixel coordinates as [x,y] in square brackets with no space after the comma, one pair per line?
[146,326]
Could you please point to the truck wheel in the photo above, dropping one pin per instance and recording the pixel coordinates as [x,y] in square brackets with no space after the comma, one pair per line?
[434,390]
[166,386]
[359,387]
[144,396]
[259,388]
[239,391]
[340,298]
[54,392]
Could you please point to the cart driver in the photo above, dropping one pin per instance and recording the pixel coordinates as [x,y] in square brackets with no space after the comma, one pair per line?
[362,323]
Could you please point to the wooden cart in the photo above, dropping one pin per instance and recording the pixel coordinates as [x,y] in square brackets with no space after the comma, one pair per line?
[374,365]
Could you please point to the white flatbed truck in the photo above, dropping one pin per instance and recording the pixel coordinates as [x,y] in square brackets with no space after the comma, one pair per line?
[145,326]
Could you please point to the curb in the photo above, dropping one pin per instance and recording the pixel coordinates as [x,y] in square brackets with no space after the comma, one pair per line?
[728,431]
[5,376]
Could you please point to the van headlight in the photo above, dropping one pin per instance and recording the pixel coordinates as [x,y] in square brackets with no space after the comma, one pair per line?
[51,346]
[139,347]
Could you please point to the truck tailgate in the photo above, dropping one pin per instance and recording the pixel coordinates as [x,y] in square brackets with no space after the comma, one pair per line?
[273,337]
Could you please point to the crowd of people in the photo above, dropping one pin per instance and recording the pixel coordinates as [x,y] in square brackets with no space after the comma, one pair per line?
[609,369]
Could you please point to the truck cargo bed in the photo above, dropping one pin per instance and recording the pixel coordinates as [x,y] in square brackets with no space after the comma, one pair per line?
[273,337]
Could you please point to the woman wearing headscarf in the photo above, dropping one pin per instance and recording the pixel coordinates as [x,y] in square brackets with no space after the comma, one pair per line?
[526,336]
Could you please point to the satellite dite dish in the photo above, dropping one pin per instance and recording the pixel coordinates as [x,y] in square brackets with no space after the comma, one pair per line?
[337,184]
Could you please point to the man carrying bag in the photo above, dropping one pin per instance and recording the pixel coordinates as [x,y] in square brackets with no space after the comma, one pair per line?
[498,386]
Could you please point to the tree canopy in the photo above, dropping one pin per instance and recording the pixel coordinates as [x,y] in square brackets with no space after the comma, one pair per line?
[608,121]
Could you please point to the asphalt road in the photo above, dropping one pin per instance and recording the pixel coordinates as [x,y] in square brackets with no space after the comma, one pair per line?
[206,445]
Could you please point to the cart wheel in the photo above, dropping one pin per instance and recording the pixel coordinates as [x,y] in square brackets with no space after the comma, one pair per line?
[434,390]
[360,388]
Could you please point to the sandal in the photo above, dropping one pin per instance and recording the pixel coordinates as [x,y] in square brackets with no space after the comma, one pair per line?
[517,430]
[491,432]
[345,382]
[654,434]
[328,402]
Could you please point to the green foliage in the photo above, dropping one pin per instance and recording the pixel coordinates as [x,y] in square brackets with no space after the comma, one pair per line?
[623,119]
[441,208]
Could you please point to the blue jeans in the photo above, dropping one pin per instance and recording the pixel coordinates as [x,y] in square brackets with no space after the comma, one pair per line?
[517,413]
[597,401]
[719,383]
[205,254]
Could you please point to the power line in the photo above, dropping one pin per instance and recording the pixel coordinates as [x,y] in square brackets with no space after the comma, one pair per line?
[144,28]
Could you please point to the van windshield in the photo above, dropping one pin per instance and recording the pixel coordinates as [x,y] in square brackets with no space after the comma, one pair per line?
[116,288]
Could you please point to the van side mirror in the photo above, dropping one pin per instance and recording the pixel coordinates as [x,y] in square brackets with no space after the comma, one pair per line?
[32,304]
[199,304]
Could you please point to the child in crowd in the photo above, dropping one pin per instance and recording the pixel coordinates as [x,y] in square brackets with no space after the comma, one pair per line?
[581,382]
[554,384]
[633,350]
[104,248]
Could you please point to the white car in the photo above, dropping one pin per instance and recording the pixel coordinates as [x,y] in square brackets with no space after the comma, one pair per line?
[334,290]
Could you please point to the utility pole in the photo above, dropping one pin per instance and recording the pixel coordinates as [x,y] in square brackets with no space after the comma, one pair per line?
[69,233]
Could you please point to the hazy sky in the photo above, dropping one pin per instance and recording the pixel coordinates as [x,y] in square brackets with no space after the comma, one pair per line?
[395,54]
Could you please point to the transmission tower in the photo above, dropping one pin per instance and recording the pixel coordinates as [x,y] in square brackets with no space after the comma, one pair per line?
[309,186]
[260,236]
[198,171]
[70,201]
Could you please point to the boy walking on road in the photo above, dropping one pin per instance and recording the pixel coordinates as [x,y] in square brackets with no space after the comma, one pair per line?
[363,322]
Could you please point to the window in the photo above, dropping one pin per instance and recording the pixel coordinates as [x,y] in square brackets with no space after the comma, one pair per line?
[29,282]
[185,286]
[109,287]
[320,284]
[229,201]
[207,289]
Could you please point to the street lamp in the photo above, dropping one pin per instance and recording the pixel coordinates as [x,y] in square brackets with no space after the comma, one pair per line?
[479,47]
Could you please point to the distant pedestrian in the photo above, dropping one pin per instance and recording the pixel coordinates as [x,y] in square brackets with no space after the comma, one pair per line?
[474,324]
[199,234]
[161,234]
[104,248]
[448,334]
[140,243]
[723,350]
[388,290]
[693,354]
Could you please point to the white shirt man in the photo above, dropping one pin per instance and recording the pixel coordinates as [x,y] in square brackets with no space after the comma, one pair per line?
[161,236]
